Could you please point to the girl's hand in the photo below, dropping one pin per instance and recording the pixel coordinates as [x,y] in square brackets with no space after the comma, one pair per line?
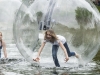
[37,59]
[66,59]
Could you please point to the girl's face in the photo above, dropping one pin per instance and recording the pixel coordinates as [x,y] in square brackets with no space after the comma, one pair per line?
[48,34]
[0,36]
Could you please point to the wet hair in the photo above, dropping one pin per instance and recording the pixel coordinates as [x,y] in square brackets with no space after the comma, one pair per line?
[53,35]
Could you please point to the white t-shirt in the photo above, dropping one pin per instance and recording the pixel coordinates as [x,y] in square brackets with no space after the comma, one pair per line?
[60,38]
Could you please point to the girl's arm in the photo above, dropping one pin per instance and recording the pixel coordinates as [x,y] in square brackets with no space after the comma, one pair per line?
[39,52]
[40,49]
[4,49]
[64,49]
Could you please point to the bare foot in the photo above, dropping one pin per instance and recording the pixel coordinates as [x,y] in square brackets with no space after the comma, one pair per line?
[76,55]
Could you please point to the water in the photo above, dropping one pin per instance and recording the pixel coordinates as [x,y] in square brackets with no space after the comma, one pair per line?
[19,66]
[22,67]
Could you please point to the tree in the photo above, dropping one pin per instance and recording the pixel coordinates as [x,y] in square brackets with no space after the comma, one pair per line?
[83,17]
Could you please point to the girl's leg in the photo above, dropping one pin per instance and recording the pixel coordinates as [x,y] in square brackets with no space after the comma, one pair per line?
[68,51]
[54,55]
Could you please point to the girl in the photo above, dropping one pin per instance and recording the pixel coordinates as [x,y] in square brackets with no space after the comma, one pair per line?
[56,41]
[2,45]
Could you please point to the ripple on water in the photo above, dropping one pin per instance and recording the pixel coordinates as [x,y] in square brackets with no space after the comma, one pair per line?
[25,68]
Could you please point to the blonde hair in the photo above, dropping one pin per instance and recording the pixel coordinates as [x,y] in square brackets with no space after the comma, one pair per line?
[53,35]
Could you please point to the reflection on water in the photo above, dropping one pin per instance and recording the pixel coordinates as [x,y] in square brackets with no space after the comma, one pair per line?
[22,67]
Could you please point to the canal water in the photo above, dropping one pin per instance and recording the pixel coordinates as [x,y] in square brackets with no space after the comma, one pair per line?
[16,64]
[22,67]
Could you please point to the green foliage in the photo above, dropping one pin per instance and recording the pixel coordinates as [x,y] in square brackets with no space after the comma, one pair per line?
[39,15]
[98,7]
[83,16]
